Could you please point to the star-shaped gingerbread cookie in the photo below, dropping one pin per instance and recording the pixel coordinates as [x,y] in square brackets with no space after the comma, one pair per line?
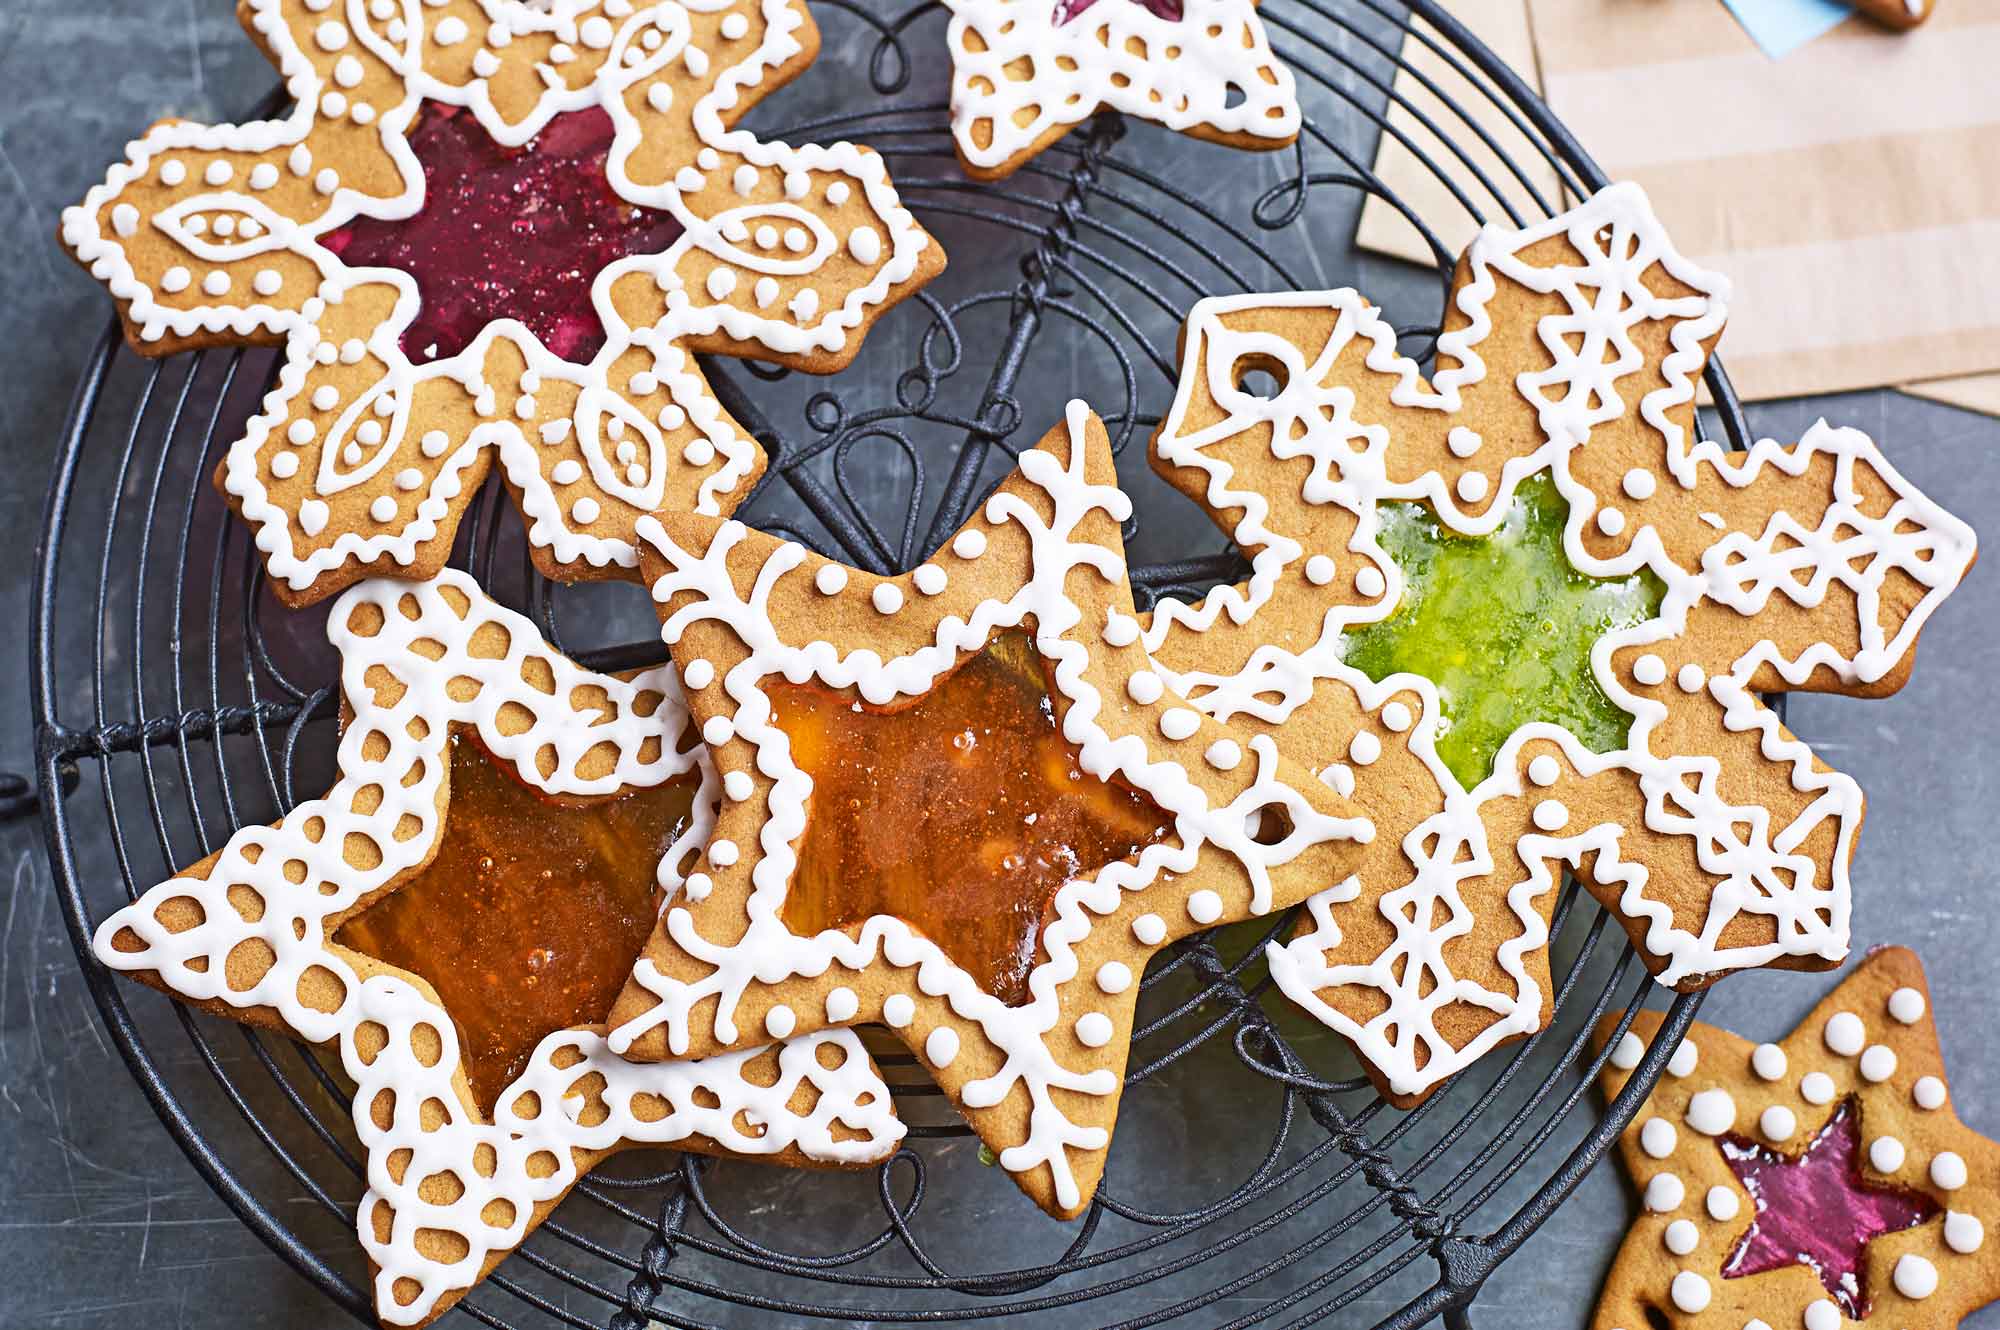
[491,233]
[452,921]
[1819,1182]
[1524,618]
[959,803]
[1026,72]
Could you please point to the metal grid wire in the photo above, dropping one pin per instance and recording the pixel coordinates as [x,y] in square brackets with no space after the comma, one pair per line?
[206,707]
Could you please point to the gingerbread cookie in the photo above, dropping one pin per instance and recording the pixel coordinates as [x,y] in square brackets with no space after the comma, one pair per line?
[453,919]
[1901,14]
[959,803]
[1524,618]
[498,232]
[1026,72]
[1818,1182]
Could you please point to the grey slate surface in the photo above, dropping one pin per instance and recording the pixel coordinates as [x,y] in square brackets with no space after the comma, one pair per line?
[104,1224]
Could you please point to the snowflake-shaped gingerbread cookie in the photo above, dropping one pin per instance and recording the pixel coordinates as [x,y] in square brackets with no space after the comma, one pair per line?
[1818,1182]
[1524,617]
[1026,72]
[496,232]
[959,803]
[475,1121]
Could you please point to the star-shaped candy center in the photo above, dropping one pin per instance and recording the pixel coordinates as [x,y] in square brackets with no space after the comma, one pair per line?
[961,813]
[528,918]
[1817,1210]
[1173,11]
[508,232]
[1503,625]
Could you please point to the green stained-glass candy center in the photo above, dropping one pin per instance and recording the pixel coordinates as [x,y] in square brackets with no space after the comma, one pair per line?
[1503,625]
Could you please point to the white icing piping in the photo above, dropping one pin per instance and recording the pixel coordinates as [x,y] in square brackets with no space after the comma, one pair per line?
[768,952]
[1221,49]
[1312,416]
[193,963]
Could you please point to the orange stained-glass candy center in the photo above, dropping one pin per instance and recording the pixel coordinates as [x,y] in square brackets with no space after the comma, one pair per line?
[528,919]
[961,813]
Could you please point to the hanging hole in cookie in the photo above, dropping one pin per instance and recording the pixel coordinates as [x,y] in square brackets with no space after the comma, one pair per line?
[1259,376]
[1657,1319]
[1233,96]
[1271,825]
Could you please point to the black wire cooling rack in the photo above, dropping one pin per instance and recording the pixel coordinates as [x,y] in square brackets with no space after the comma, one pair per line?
[1256,1178]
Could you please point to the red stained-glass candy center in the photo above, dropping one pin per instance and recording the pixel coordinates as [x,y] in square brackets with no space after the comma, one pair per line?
[1817,1210]
[507,232]
[1170,10]
[962,813]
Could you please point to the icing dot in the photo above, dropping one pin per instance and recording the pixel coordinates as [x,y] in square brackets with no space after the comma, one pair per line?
[1144,687]
[1649,670]
[1471,487]
[899,1010]
[1665,1193]
[216,283]
[409,478]
[1120,630]
[1948,1170]
[449,31]
[1093,1029]
[1778,1123]
[267,282]
[326,397]
[699,885]
[721,281]
[1320,570]
[969,543]
[175,280]
[1681,1237]
[330,36]
[837,192]
[327,180]
[1822,1315]
[1723,1204]
[1396,717]
[1180,723]
[1610,521]
[434,443]
[887,597]
[842,1005]
[1906,1005]
[300,431]
[1683,1062]
[1712,1112]
[1928,1092]
[1816,1087]
[1544,770]
[717,730]
[734,27]
[347,71]
[173,172]
[1691,678]
[745,179]
[699,674]
[1224,754]
[383,509]
[1886,1154]
[1845,1034]
[738,785]
[1769,1062]
[1204,906]
[1658,1137]
[1878,1063]
[929,578]
[1114,977]
[723,853]
[1626,1056]
[831,579]
[1640,483]
[1963,1233]
[1915,1277]
[865,244]
[1690,1291]
[941,1046]
[1551,815]
[1462,441]
[780,1021]
[1370,582]
[566,472]
[1364,749]
[285,465]
[584,511]
[1150,929]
